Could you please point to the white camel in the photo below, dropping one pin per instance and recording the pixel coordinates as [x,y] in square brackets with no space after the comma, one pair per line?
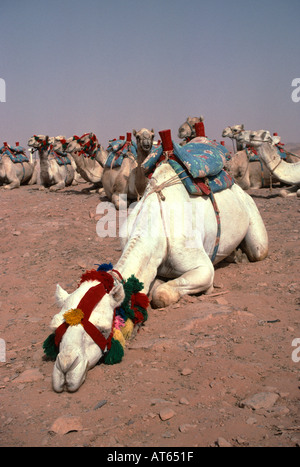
[168,234]
[15,174]
[52,175]
[87,168]
[288,173]
[249,173]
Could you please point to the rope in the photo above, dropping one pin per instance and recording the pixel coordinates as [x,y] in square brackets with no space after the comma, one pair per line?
[175,180]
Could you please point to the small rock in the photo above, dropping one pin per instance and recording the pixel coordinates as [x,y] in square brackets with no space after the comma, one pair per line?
[29,376]
[166,414]
[223,443]
[16,233]
[183,401]
[66,424]
[262,400]
[186,427]
[100,404]
[204,343]
[251,421]
[186,371]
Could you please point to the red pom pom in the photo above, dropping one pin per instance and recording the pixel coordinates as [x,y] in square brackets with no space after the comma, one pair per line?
[138,317]
[140,299]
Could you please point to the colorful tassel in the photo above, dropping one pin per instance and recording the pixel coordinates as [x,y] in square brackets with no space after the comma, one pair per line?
[73,317]
[115,353]
[50,348]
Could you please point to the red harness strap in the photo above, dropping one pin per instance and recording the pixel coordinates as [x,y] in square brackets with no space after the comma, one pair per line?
[87,304]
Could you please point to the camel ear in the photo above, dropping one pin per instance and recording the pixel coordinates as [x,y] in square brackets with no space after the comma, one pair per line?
[263,136]
[201,118]
[242,127]
[61,295]
[134,132]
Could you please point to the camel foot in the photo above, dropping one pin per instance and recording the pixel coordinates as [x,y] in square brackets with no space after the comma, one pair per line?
[164,296]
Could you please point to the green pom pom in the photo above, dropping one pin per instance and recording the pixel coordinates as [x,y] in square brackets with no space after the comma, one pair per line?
[115,354]
[131,286]
[50,348]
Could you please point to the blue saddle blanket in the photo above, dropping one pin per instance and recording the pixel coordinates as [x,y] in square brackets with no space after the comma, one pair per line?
[61,158]
[117,150]
[194,163]
[15,153]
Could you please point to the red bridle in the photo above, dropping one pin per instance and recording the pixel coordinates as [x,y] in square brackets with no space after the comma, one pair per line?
[87,305]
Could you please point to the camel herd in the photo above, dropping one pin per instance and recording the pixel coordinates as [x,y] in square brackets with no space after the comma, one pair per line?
[87,160]
[172,239]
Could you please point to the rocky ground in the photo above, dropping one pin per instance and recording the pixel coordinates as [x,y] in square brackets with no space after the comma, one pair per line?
[213,370]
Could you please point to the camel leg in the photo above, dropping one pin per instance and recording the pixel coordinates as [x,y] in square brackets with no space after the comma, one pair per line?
[290,191]
[57,186]
[15,183]
[255,243]
[191,282]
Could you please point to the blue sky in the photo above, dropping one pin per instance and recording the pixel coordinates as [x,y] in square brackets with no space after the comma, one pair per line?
[72,66]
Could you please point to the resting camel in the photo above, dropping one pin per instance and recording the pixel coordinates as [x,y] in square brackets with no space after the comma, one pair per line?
[87,168]
[250,174]
[180,251]
[129,178]
[187,131]
[15,174]
[288,173]
[52,175]
[233,132]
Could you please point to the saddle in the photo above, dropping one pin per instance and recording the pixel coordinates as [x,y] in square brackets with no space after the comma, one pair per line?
[117,150]
[17,154]
[200,166]
[61,158]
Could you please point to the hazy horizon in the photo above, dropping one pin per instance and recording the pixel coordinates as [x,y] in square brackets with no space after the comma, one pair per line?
[71,66]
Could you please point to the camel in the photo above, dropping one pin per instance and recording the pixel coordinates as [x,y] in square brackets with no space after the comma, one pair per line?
[187,131]
[288,173]
[89,146]
[15,174]
[52,175]
[179,251]
[250,174]
[129,179]
[87,168]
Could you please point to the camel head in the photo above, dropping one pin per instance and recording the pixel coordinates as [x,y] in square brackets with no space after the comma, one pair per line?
[187,131]
[144,139]
[40,141]
[232,131]
[83,327]
[60,143]
[87,143]
[263,136]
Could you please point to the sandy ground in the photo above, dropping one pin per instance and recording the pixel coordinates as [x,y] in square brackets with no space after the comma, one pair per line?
[208,371]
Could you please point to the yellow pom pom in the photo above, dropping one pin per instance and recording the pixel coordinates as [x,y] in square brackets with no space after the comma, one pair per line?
[73,317]
[119,337]
[127,329]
